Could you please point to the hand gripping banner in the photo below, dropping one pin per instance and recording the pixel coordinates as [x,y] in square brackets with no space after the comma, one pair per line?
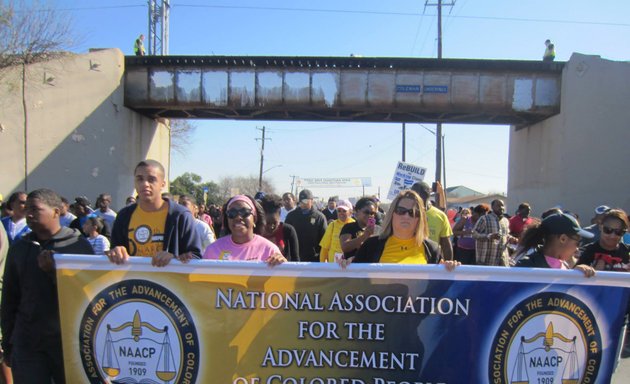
[300,323]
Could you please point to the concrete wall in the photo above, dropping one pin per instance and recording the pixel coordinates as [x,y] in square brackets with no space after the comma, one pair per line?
[78,138]
[580,158]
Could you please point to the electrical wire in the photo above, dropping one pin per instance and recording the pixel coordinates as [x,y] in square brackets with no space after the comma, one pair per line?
[359,12]
[346,11]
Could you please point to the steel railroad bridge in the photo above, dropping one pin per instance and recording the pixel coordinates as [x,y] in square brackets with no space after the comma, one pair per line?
[364,89]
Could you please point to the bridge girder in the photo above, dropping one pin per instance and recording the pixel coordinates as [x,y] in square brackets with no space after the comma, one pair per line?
[343,89]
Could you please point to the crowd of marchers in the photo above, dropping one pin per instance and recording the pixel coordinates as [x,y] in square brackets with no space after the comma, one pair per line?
[271,229]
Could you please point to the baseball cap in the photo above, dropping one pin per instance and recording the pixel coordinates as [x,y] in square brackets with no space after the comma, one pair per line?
[564,224]
[305,194]
[345,204]
[602,209]
[421,188]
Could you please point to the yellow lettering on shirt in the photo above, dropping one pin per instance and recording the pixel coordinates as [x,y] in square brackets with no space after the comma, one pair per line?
[399,251]
[146,231]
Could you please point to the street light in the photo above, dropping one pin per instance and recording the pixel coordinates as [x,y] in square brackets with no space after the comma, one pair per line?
[263,172]
[269,169]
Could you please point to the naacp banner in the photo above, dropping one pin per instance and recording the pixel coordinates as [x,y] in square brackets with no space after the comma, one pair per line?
[301,323]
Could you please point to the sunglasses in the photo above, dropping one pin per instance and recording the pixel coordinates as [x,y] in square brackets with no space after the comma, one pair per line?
[242,212]
[22,202]
[368,212]
[618,232]
[412,212]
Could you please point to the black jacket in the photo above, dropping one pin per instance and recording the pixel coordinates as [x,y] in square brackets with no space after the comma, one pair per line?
[372,249]
[179,231]
[310,229]
[534,260]
[30,308]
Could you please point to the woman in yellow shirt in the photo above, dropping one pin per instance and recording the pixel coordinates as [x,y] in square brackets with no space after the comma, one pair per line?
[330,243]
[404,238]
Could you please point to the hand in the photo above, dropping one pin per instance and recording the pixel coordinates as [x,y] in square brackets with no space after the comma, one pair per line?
[587,270]
[185,257]
[369,231]
[46,261]
[494,236]
[343,263]
[161,259]
[117,255]
[275,259]
[450,264]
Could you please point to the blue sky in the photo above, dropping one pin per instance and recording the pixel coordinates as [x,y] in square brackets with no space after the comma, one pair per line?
[476,156]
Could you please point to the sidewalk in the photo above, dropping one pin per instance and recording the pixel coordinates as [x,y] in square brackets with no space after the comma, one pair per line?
[622,375]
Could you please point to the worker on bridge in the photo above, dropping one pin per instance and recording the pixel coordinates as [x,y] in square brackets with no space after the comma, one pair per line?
[138,47]
[550,51]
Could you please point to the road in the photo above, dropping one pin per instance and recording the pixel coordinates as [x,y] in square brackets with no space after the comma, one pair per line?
[622,375]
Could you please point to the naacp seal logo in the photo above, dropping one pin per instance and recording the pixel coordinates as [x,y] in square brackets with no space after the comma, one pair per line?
[548,338]
[143,234]
[137,331]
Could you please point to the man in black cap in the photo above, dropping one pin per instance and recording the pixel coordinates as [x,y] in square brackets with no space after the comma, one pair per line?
[310,225]
[439,227]
[330,212]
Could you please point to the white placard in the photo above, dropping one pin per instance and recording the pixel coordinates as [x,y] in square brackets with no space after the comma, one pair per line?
[405,175]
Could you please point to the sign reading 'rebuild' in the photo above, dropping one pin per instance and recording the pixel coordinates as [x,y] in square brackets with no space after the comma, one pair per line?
[405,175]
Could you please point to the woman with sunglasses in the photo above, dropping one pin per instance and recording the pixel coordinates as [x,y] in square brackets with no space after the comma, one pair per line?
[404,238]
[609,253]
[242,221]
[554,242]
[354,234]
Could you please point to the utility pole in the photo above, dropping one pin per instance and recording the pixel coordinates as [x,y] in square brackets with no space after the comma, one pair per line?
[159,15]
[293,182]
[404,134]
[262,156]
[438,132]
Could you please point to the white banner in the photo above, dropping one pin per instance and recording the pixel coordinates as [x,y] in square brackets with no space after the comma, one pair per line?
[334,182]
[405,175]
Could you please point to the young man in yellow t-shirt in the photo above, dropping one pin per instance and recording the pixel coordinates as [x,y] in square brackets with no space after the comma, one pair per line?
[153,227]
[440,229]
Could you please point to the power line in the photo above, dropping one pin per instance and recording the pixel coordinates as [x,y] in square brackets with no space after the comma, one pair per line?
[356,12]
[415,14]
[95,8]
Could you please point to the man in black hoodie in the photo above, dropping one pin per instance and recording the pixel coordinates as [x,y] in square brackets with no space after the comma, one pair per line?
[31,331]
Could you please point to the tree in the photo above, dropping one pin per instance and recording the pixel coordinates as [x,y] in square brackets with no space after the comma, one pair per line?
[191,184]
[181,132]
[32,32]
[229,186]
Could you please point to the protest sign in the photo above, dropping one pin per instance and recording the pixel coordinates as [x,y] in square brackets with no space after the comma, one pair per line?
[405,176]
